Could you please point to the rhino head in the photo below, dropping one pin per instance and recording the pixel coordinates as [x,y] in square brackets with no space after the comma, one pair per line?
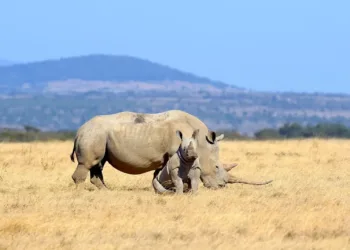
[215,174]
[209,160]
[188,146]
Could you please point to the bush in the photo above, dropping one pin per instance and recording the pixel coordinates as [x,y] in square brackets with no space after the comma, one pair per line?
[267,133]
[295,130]
[30,134]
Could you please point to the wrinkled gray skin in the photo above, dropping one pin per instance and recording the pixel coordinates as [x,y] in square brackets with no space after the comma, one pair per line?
[136,143]
[182,167]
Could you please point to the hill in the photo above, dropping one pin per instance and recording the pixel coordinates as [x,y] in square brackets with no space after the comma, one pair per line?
[94,68]
[64,93]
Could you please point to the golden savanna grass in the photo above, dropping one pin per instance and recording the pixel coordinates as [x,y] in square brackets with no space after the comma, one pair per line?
[307,206]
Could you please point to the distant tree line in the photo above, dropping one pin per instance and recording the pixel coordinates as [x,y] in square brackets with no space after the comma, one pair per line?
[30,134]
[287,131]
[295,130]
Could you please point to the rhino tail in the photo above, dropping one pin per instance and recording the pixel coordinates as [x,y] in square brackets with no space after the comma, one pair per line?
[73,151]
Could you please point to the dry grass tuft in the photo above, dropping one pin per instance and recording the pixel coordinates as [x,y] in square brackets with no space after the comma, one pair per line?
[306,207]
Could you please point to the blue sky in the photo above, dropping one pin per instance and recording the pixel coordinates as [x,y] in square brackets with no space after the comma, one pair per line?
[263,45]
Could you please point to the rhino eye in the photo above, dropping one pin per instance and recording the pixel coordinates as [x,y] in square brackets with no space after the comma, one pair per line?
[217,167]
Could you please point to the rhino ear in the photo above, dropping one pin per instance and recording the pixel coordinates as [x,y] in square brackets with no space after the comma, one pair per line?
[220,137]
[179,134]
[211,137]
[195,134]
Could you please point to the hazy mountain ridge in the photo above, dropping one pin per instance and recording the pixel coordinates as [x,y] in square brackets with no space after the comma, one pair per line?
[102,68]
[62,94]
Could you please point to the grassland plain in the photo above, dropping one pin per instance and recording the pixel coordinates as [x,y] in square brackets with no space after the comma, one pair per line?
[306,207]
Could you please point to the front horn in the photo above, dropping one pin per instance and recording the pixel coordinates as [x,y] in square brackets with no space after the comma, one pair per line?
[228,167]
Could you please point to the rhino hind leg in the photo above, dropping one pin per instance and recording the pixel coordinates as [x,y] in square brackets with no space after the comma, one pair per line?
[179,186]
[96,176]
[94,167]
[80,174]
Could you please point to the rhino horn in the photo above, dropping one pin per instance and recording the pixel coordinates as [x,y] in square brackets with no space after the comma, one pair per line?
[233,179]
[191,152]
[228,167]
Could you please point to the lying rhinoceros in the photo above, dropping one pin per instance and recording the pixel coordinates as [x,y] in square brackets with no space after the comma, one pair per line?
[136,143]
[182,167]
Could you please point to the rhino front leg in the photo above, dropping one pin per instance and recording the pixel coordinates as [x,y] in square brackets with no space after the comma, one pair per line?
[175,178]
[194,176]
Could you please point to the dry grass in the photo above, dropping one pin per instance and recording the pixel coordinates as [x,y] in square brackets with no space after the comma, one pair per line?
[306,207]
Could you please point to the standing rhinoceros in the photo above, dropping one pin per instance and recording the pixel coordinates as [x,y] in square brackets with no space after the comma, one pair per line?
[136,143]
